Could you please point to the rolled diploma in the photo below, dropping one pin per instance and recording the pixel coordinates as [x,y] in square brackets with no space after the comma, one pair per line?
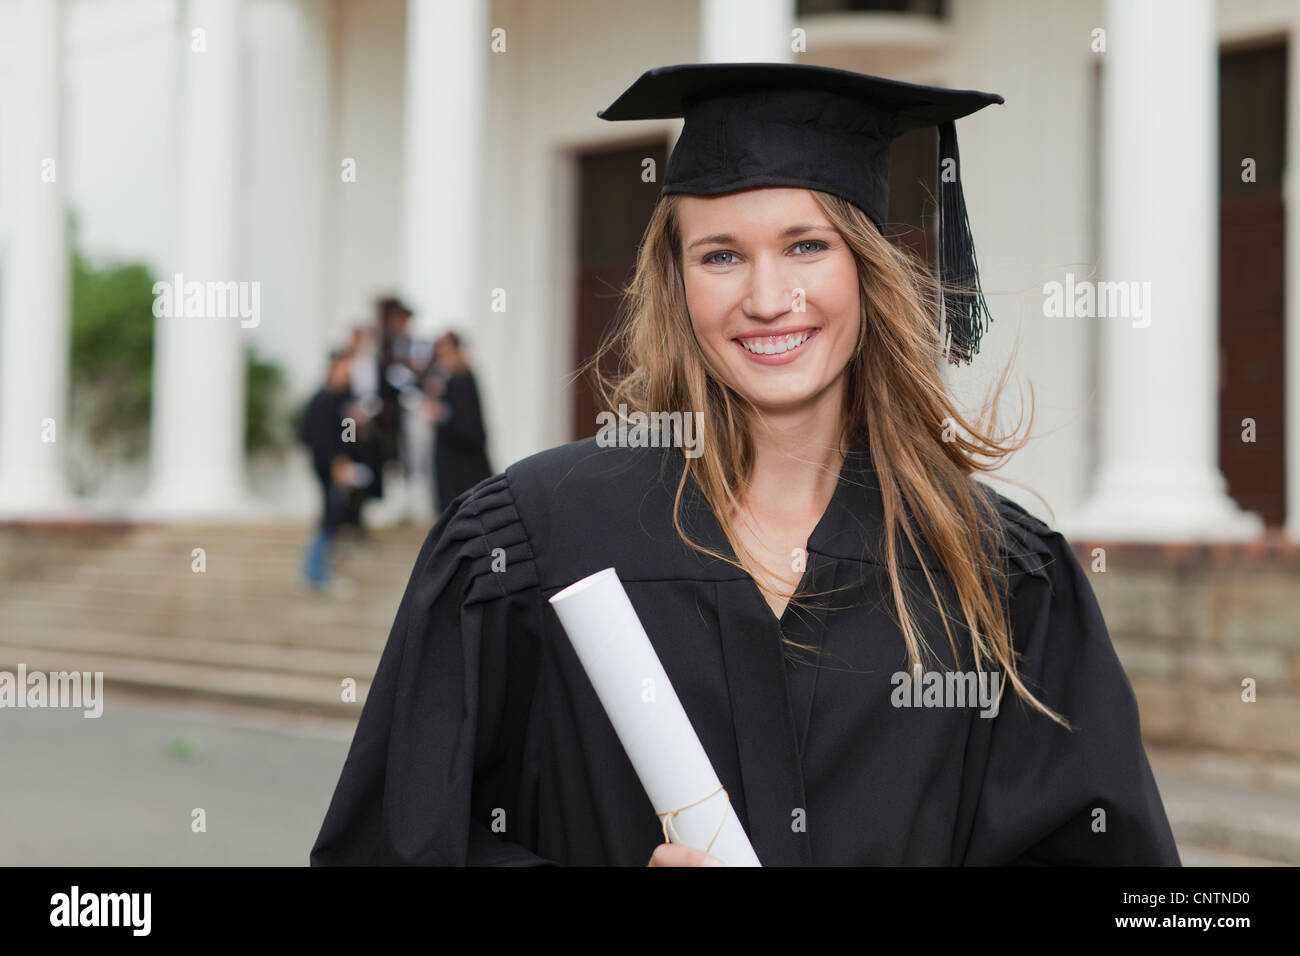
[656,733]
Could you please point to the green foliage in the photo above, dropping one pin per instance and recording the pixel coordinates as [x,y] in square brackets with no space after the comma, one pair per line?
[265,420]
[111,365]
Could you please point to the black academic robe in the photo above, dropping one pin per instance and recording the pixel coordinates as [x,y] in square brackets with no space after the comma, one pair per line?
[482,740]
[460,453]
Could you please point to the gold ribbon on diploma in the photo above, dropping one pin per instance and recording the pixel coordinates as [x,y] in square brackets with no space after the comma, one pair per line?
[668,815]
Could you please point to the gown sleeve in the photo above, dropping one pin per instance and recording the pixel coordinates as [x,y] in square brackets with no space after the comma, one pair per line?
[1043,785]
[437,754]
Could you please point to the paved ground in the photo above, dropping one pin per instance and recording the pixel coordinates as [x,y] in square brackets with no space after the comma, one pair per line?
[1247,808]
[120,790]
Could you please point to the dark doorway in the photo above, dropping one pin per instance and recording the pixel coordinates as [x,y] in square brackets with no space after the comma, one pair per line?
[930,8]
[1252,125]
[614,205]
[913,191]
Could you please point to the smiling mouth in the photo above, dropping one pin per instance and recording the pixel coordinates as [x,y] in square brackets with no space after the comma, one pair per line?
[776,346]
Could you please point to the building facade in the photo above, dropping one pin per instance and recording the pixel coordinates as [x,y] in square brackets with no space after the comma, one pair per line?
[334,150]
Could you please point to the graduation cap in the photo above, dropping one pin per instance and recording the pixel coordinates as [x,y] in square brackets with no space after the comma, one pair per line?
[816,127]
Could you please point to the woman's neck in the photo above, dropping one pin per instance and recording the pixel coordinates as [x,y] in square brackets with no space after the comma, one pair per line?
[797,458]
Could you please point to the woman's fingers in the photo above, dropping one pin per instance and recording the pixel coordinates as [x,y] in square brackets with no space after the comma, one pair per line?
[678,854]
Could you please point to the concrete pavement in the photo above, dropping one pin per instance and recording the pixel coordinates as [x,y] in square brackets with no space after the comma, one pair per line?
[120,790]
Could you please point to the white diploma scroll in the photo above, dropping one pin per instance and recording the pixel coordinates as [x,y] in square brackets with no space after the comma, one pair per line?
[648,718]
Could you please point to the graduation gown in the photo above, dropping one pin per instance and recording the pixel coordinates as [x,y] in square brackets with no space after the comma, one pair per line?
[482,740]
[460,454]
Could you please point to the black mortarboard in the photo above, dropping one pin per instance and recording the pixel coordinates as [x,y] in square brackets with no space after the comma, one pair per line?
[815,127]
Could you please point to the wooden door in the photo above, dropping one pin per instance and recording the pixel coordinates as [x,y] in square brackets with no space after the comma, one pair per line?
[614,207]
[1252,125]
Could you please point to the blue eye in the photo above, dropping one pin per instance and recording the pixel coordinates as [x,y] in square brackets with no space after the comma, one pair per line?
[812,242]
[709,260]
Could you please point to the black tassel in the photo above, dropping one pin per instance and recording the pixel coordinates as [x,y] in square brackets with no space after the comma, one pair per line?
[966,315]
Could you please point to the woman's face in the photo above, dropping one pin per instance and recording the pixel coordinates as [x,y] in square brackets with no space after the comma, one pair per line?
[772,291]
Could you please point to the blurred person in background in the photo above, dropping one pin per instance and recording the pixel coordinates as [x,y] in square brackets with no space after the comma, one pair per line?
[393,373]
[368,450]
[330,439]
[402,361]
[460,446]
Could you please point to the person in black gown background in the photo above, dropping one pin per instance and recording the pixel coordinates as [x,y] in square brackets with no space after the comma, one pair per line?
[393,319]
[460,459]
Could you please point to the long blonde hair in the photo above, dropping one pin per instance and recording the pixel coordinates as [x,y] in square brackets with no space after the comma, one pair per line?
[924,450]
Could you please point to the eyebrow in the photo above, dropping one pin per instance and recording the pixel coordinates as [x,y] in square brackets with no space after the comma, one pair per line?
[723,238]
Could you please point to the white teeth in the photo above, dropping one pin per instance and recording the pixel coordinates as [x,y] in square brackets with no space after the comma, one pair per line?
[776,347]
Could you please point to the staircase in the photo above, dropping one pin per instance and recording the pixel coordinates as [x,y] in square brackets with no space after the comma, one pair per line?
[126,601]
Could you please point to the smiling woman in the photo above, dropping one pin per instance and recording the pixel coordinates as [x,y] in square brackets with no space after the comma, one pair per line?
[775,299]
[827,541]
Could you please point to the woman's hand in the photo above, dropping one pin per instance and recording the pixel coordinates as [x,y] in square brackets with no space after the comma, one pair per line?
[678,854]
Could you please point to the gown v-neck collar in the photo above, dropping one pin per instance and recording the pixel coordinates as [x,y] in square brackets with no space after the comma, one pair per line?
[852,516]
[769,735]
[824,528]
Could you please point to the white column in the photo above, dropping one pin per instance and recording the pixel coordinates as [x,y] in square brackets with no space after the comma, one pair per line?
[746,31]
[293,190]
[34,347]
[445,99]
[197,439]
[1159,477]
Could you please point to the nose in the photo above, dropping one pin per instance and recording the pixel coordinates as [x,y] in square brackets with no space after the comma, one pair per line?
[767,294]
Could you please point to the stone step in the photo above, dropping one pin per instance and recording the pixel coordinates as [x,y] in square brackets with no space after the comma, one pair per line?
[291,626]
[1203,856]
[295,601]
[246,569]
[300,692]
[1228,804]
[123,600]
[266,657]
[102,533]
[237,539]
[180,556]
[272,585]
